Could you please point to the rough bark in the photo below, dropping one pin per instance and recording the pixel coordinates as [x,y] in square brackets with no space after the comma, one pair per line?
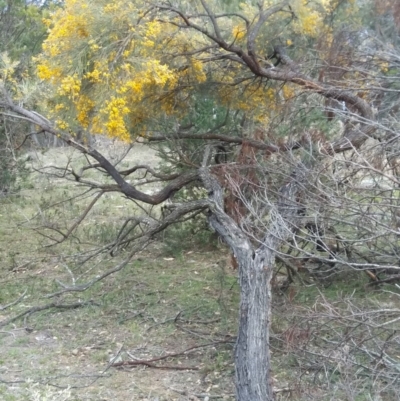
[252,354]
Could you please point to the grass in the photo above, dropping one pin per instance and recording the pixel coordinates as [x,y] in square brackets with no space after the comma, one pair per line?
[147,307]
[169,298]
[157,304]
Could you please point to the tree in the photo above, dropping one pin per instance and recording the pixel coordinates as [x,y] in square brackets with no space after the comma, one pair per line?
[107,69]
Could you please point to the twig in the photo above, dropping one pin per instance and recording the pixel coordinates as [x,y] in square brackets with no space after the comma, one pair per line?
[8,332]
[290,266]
[84,287]
[78,222]
[385,280]
[171,319]
[48,383]
[149,362]
[283,390]
[28,136]
[132,316]
[154,227]
[13,303]
[201,395]
[152,365]
[194,333]
[35,309]
[17,268]
[113,359]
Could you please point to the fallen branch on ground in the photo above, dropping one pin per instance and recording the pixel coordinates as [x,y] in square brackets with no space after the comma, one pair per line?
[13,303]
[149,362]
[35,309]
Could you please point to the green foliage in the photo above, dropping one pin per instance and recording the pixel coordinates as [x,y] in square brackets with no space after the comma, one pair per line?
[22,28]
[22,33]
[206,113]
[194,233]
[102,233]
[190,234]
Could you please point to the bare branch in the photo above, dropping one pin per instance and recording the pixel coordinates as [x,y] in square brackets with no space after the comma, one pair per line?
[14,302]
[142,240]
[123,186]
[35,309]
[254,31]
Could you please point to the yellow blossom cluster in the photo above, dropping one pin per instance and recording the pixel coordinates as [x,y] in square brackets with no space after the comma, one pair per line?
[7,74]
[238,32]
[157,73]
[69,86]
[47,73]
[309,20]
[108,62]
[61,124]
[115,125]
[255,100]
[84,106]
[73,21]
[7,67]
[198,70]
[93,76]
[94,47]
[288,91]
[152,30]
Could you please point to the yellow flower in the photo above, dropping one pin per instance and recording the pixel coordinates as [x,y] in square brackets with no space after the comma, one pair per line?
[93,76]
[84,106]
[115,125]
[61,124]
[238,32]
[199,73]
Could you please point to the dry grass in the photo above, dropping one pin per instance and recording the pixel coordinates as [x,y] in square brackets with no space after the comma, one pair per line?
[166,300]
[156,305]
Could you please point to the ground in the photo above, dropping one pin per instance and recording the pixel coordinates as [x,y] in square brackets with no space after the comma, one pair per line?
[166,300]
[178,297]
[133,315]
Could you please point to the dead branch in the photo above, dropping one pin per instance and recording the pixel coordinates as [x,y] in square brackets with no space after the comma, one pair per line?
[35,309]
[74,226]
[378,281]
[28,136]
[269,148]
[200,395]
[13,303]
[152,365]
[290,73]
[153,228]
[122,185]
[149,362]
[84,287]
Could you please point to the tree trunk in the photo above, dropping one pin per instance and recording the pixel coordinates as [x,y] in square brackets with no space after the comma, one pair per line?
[252,356]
